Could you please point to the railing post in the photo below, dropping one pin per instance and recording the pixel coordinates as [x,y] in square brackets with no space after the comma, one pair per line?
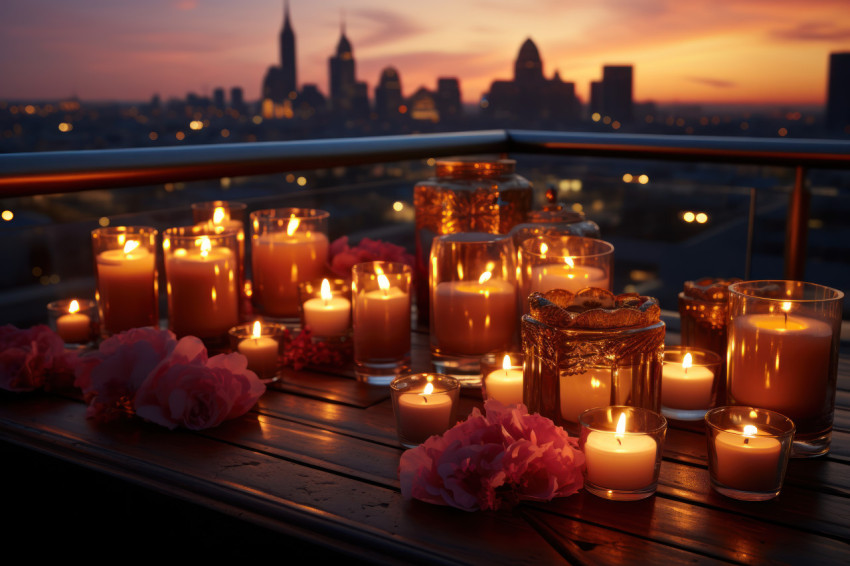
[797,227]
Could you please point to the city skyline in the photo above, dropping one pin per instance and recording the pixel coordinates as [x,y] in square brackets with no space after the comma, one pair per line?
[757,51]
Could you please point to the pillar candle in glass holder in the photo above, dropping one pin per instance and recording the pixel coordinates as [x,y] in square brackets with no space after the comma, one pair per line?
[221,215]
[782,354]
[125,267]
[288,246]
[381,316]
[201,271]
[473,301]
[503,383]
[622,448]
[424,405]
[329,314]
[564,262]
[75,321]
[259,342]
[688,382]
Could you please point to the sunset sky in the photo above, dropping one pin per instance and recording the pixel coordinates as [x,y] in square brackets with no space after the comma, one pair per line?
[721,51]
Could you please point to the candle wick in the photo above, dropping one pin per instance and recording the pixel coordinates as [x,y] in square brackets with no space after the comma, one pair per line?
[425,397]
[786,320]
[620,442]
[746,440]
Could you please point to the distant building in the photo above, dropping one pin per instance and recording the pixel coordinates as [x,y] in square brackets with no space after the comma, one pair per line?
[612,97]
[838,93]
[448,100]
[349,98]
[423,106]
[388,98]
[530,99]
[279,85]
[237,100]
[218,98]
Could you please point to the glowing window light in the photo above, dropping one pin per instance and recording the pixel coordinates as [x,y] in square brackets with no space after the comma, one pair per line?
[65,127]
[103,221]
[302,181]
[628,178]
[702,217]
[7,215]
[398,206]
[688,216]
[643,179]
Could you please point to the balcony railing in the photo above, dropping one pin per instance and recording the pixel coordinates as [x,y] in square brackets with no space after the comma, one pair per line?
[63,172]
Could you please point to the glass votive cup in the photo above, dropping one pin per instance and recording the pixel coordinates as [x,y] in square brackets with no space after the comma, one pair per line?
[564,262]
[501,377]
[126,272]
[325,306]
[690,378]
[783,355]
[288,246]
[622,448]
[381,318]
[74,320]
[222,215]
[201,272]
[261,342]
[424,404]
[748,451]
[473,302]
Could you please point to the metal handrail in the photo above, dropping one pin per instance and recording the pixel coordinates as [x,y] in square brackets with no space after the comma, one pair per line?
[27,174]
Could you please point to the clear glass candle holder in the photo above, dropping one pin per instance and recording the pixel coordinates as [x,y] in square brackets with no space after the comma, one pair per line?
[473,302]
[557,261]
[424,404]
[622,448]
[202,274]
[261,342]
[748,451]
[126,272]
[554,222]
[783,355]
[74,320]
[223,215]
[288,246]
[381,294]
[501,377]
[690,381]
[325,306]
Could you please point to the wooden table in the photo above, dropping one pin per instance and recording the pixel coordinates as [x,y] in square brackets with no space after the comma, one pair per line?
[311,475]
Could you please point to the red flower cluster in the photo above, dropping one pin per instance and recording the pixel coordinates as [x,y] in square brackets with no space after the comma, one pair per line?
[494,461]
[343,256]
[302,351]
[32,358]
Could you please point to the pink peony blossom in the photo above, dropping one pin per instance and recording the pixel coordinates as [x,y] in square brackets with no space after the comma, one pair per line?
[32,358]
[343,257]
[189,390]
[488,462]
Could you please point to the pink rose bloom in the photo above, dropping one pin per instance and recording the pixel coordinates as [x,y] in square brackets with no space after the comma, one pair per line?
[110,376]
[189,390]
[31,358]
[488,462]
[343,257]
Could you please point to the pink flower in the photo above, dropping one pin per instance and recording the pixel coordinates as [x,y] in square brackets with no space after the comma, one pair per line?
[32,358]
[343,257]
[189,390]
[110,376]
[488,462]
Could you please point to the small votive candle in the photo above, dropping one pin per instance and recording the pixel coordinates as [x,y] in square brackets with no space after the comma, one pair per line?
[260,343]
[622,448]
[501,377]
[424,404]
[688,382]
[748,451]
[326,307]
[74,320]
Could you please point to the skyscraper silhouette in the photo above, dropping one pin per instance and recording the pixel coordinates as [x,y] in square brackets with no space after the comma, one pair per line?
[279,86]
[388,96]
[349,98]
[616,92]
[287,54]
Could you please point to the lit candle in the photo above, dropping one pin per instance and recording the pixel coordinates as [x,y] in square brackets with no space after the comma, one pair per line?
[620,460]
[567,275]
[780,361]
[329,315]
[747,461]
[261,352]
[203,297]
[505,385]
[584,391]
[474,317]
[375,312]
[126,287]
[281,260]
[423,414]
[686,386]
[74,327]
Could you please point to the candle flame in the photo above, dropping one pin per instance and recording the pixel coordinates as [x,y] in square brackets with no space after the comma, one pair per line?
[74,306]
[484,277]
[326,291]
[687,362]
[786,306]
[292,226]
[257,330]
[218,215]
[429,388]
[595,383]
[621,425]
[506,363]
[130,245]
[569,261]
[205,245]
[750,430]
[383,283]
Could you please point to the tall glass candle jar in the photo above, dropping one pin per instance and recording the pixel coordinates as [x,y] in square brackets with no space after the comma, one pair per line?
[201,272]
[703,308]
[783,355]
[288,246]
[591,349]
[224,215]
[126,272]
[466,195]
